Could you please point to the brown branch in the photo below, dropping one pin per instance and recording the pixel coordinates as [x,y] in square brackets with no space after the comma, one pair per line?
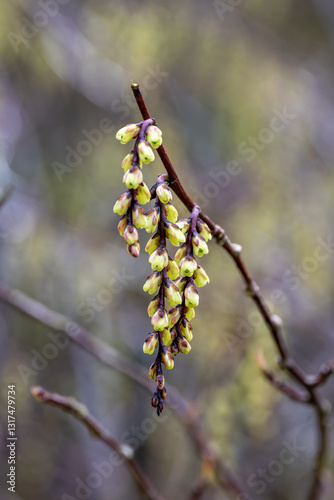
[273,322]
[80,412]
[110,357]
[326,370]
[281,385]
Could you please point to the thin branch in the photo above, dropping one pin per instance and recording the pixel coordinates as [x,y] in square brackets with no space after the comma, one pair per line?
[80,412]
[281,385]
[112,358]
[273,322]
[326,370]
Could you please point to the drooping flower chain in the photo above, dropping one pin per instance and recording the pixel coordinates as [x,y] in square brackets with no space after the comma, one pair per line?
[172,331]
[163,217]
[129,203]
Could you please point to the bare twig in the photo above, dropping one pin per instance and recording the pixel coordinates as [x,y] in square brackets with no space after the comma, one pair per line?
[281,385]
[326,370]
[273,322]
[80,412]
[109,356]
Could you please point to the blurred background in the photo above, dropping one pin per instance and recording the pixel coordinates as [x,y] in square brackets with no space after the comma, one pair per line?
[243,91]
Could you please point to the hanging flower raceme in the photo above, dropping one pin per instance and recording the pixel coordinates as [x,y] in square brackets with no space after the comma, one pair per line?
[192,276]
[172,281]
[128,205]
[161,221]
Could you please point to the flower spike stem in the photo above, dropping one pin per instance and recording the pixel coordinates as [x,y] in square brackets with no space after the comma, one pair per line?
[309,383]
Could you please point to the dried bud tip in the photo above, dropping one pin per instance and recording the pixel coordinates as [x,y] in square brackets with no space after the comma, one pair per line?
[276,320]
[133,249]
[152,373]
[160,381]
[236,249]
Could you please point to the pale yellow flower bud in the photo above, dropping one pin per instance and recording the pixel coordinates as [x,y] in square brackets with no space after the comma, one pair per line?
[204,230]
[172,294]
[123,203]
[139,216]
[152,373]
[187,266]
[127,162]
[154,136]
[153,243]
[183,345]
[160,319]
[164,193]
[174,234]
[127,133]
[153,306]
[180,283]
[150,343]
[199,246]
[166,337]
[152,283]
[174,316]
[159,259]
[183,225]
[122,225]
[133,177]
[186,329]
[160,381]
[171,212]
[172,270]
[200,277]
[130,234]
[153,217]
[145,152]
[190,313]
[181,252]
[133,249]
[163,393]
[143,194]
[168,360]
[191,296]
[173,333]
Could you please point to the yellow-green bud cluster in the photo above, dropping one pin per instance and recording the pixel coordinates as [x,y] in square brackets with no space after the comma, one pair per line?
[161,221]
[147,136]
[176,281]
[192,276]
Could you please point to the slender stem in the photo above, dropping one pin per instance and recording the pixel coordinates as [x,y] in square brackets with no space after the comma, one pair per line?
[80,412]
[273,322]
